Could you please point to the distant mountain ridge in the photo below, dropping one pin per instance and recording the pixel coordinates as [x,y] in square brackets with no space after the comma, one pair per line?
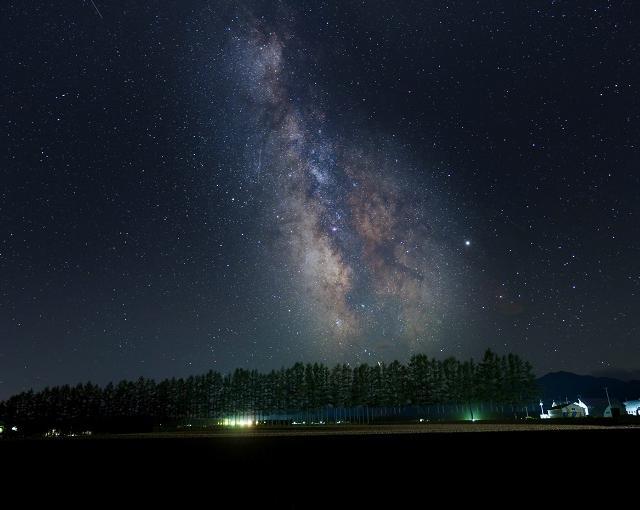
[558,385]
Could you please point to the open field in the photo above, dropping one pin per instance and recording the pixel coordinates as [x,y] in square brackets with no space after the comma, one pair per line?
[391,459]
[373,430]
[353,431]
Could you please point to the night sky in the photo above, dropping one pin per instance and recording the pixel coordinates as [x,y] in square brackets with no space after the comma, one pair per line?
[202,185]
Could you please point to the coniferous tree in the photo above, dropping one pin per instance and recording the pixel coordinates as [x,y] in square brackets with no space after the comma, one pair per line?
[302,387]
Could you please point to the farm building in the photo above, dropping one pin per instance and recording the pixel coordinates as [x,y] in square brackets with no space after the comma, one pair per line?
[632,407]
[569,410]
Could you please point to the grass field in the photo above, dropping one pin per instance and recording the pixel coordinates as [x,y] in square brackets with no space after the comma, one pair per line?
[373,430]
[293,464]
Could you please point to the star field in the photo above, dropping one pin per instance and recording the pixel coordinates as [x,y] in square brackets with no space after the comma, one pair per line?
[207,185]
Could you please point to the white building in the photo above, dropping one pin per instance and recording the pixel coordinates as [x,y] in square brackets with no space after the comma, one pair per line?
[632,407]
[567,410]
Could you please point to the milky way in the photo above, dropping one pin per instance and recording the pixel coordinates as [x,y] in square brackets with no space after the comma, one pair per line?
[358,242]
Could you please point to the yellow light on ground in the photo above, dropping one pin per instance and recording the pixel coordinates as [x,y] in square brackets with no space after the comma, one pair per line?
[237,422]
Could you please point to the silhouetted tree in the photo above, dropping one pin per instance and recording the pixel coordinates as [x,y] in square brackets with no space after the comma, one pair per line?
[423,381]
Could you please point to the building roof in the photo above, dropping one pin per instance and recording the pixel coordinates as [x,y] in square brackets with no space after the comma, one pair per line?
[561,406]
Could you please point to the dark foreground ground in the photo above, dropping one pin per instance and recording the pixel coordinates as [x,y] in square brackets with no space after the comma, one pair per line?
[301,468]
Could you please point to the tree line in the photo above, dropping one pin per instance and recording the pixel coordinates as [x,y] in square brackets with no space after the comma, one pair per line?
[422,381]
